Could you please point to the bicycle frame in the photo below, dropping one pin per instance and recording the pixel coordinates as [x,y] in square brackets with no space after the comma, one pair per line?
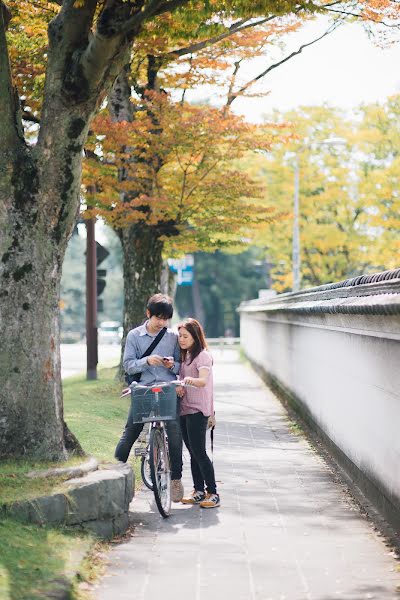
[159,462]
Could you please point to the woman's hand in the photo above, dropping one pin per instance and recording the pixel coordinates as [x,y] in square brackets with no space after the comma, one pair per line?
[180,391]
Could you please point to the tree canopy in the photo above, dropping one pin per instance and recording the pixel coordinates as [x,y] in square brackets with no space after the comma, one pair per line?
[349,205]
[59,67]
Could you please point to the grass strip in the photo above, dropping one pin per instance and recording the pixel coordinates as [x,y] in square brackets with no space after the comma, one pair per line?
[37,560]
[96,415]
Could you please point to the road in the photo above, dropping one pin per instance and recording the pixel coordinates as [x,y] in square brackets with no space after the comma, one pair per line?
[73,358]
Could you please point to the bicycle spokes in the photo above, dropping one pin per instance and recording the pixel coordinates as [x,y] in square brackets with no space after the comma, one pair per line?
[160,472]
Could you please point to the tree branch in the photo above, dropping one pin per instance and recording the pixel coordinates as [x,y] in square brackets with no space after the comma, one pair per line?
[27,116]
[231,95]
[154,8]
[119,98]
[108,48]
[10,118]
[74,24]
[361,17]
[234,28]
[245,87]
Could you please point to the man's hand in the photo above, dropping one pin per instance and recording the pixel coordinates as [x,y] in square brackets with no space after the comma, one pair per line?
[155,361]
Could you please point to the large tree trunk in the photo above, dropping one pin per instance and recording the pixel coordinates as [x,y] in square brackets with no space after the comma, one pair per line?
[31,407]
[39,202]
[142,264]
[32,246]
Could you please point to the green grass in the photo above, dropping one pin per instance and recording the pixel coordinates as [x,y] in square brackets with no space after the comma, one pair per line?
[14,485]
[35,559]
[95,413]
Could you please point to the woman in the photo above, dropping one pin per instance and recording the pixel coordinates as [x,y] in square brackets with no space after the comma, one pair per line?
[197,406]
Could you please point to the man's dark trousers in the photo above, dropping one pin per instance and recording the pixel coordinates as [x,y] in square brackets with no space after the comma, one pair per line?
[132,432]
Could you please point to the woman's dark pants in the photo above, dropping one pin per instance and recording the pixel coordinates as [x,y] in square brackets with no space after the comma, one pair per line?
[194,429]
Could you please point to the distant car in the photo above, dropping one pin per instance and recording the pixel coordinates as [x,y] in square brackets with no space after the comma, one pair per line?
[110,332]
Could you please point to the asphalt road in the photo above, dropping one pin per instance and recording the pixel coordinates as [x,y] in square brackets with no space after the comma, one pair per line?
[73,358]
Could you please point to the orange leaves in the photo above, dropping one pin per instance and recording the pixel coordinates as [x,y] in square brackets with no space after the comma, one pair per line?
[27,41]
[175,163]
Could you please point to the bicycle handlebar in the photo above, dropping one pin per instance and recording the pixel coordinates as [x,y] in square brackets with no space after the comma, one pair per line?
[136,385]
[147,386]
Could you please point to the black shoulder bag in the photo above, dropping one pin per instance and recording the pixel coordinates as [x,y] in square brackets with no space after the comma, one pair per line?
[136,376]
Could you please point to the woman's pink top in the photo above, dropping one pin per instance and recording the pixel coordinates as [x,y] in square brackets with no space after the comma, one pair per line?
[197,399]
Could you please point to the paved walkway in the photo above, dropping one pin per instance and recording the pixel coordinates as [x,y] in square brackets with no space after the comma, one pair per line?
[285,529]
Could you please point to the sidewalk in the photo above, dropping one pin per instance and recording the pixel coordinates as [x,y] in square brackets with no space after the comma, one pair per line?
[285,529]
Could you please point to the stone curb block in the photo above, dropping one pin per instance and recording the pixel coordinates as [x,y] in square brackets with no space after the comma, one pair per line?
[98,503]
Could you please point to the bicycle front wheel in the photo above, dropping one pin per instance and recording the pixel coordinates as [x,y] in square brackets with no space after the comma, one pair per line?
[145,471]
[160,472]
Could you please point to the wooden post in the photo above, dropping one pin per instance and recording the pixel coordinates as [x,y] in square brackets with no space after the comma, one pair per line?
[91,301]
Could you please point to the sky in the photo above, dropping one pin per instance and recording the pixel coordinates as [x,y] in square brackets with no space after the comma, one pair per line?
[344,69]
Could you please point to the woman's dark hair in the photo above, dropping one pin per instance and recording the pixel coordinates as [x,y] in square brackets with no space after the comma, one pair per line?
[199,340]
[160,305]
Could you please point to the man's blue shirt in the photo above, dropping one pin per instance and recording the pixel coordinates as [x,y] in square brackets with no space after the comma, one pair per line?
[137,342]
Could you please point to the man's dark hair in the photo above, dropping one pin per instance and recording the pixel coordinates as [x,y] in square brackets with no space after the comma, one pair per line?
[160,305]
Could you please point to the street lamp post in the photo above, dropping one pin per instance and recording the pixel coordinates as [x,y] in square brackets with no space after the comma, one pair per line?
[296,261]
[296,229]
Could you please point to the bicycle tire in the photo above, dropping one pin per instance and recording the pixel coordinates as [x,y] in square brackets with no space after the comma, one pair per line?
[160,472]
[145,471]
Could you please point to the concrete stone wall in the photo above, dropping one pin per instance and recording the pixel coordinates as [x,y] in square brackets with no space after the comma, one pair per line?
[334,352]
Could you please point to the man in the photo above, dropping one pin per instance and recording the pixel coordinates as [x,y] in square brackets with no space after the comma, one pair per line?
[161,365]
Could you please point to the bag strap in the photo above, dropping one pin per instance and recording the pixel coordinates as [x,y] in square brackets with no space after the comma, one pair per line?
[130,378]
[155,342]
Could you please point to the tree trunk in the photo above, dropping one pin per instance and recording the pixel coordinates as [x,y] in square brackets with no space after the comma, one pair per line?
[31,252]
[168,282]
[199,311]
[39,203]
[142,264]
[141,244]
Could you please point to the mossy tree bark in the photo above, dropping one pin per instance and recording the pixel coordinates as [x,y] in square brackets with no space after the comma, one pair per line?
[39,203]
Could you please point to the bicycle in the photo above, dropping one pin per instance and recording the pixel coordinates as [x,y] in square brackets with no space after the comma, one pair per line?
[144,452]
[155,404]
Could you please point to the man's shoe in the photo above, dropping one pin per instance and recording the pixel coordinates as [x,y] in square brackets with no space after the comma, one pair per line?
[176,490]
[194,498]
[210,501]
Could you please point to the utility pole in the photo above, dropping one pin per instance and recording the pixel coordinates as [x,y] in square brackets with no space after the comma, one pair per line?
[296,229]
[91,301]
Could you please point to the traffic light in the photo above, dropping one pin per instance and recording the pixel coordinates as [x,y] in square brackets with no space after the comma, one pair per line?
[101,255]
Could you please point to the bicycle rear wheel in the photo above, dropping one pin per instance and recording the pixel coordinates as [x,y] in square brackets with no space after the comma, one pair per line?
[145,471]
[160,472]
